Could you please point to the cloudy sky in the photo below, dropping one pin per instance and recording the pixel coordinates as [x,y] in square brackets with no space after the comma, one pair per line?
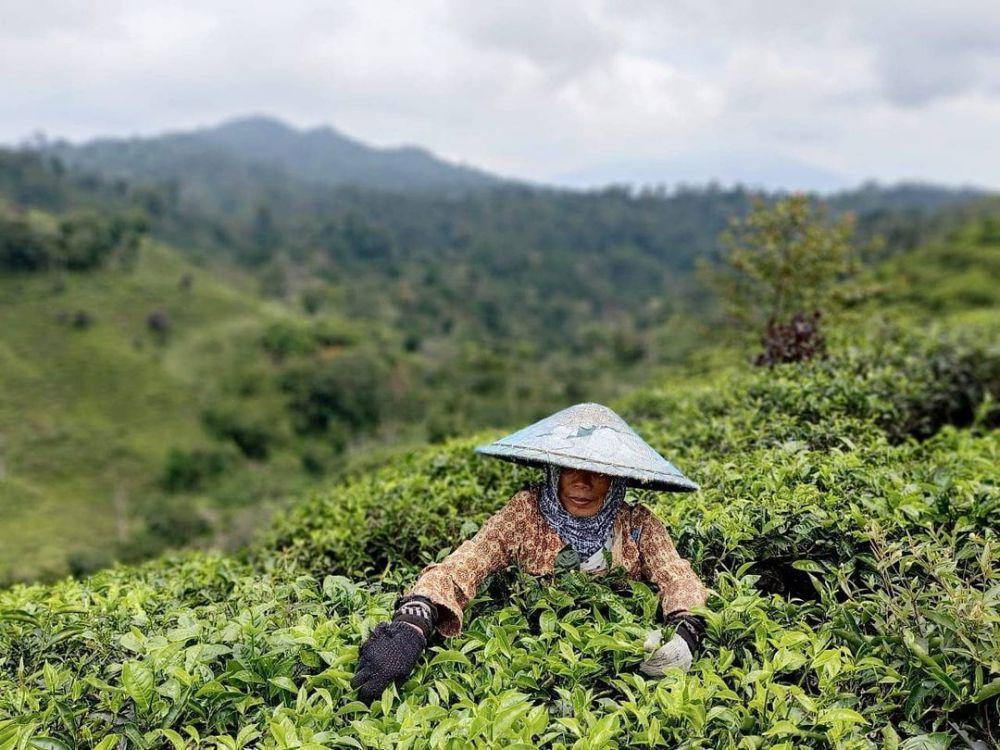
[792,93]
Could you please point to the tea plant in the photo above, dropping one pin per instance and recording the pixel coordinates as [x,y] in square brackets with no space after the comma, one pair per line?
[847,526]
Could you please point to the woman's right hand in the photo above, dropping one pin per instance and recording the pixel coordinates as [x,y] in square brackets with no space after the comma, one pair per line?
[675,653]
[389,655]
[679,651]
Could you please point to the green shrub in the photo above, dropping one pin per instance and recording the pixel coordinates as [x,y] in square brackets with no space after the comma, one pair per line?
[22,248]
[286,338]
[348,389]
[249,432]
[82,241]
[811,424]
[854,566]
[174,524]
[86,240]
[195,650]
[189,470]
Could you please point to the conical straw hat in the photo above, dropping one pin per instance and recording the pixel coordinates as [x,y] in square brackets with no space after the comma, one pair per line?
[592,437]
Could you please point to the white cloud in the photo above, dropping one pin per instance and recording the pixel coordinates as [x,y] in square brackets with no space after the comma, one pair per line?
[563,37]
[885,89]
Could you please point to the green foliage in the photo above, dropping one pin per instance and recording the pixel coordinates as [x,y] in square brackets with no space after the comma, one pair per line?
[82,241]
[401,514]
[187,470]
[781,260]
[86,240]
[90,408]
[172,525]
[847,525]
[348,389]
[956,273]
[474,309]
[289,338]
[355,239]
[545,267]
[883,395]
[853,567]
[21,248]
[252,433]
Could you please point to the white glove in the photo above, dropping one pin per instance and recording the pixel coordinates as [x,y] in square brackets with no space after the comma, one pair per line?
[674,654]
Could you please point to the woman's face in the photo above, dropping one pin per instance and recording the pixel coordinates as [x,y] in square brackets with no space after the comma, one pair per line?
[582,492]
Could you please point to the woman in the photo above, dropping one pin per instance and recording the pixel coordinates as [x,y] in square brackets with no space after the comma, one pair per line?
[576,516]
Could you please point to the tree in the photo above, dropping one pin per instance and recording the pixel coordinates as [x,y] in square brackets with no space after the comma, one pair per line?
[21,248]
[780,270]
[264,235]
[87,239]
[349,391]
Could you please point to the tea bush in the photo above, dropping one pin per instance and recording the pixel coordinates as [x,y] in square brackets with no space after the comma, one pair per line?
[847,526]
[802,439]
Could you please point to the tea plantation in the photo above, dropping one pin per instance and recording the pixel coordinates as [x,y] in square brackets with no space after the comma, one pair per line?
[176,369]
[847,526]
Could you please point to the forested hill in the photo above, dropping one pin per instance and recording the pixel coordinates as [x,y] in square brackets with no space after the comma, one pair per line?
[261,147]
[242,164]
[512,261]
[277,330]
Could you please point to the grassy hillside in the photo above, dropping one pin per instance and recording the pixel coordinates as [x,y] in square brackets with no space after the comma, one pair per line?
[92,399]
[847,526]
[957,274]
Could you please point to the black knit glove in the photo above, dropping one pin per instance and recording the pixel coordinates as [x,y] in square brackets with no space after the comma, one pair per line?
[689,627]
[389,655]
[393,648]
[417,610]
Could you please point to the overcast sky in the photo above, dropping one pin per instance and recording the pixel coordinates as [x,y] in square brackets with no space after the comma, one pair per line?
[793,94]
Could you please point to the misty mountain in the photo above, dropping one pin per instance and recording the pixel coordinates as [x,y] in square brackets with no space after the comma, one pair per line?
[263,148]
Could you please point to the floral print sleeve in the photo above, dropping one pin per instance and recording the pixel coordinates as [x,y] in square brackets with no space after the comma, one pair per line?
[454,581]
[680,587]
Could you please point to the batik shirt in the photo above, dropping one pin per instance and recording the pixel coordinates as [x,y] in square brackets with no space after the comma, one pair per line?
[518,534]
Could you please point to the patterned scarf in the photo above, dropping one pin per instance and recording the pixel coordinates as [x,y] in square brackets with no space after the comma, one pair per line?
[586,534]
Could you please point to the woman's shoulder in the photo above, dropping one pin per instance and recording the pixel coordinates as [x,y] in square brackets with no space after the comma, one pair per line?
[519,513]
[525,499]
[640,514]
[640,522]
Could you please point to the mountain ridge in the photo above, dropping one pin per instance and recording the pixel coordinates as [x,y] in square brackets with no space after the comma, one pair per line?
[259,159]
[321,154]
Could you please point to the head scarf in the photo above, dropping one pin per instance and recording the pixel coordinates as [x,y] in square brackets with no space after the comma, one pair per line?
[586,534]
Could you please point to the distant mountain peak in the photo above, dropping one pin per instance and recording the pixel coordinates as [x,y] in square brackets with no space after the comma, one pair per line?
[257,123]
[320,154]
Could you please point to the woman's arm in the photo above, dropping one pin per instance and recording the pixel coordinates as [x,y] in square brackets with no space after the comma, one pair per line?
[437,600]
[453,582]
[680,591]
[680,587]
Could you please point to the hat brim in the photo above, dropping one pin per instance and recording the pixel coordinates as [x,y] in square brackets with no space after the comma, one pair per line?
[638,478]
